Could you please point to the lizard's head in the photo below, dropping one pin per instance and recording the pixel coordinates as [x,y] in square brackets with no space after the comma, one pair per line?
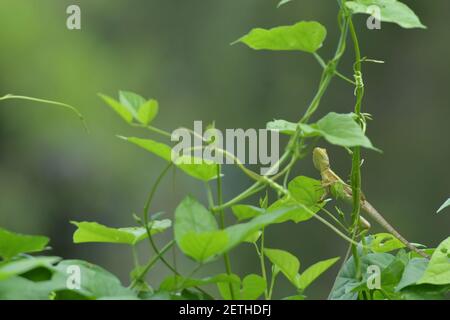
[320,159]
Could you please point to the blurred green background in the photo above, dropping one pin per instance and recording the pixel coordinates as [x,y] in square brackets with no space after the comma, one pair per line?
[179,52]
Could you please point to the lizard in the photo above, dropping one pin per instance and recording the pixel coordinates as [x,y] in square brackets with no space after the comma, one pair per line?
[339,189]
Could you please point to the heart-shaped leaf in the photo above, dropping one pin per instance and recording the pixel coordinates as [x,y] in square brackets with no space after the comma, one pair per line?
[306,36]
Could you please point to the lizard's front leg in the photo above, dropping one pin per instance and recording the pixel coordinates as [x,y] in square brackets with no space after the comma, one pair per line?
[326,186]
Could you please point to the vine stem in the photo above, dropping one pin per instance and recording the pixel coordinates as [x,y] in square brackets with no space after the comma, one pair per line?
[146,218]
[328,73]
[323,65]
[153,129]
[254,188]
[151,263]
[145,214]
[273,277]
[356,156]
[51,102]
[326,78]
[226,256]
[263,265]
[347,255]
[135,256]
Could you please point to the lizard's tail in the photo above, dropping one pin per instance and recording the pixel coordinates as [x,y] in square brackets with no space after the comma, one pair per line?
[369,209]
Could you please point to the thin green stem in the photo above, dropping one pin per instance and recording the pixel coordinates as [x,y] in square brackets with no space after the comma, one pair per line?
[272,282]
[190,275]
[364,242]
[135,256]
[146,212]
[253,189]
[263,264]
[56,103]
[153,129]
[209,195]
[337,73]
[323,86]
[148,227]
[356,155]
[151,263]
[219,196]
[237,161]
[329,214]
[327,74]
[226,256]
[347,255]
[256,187]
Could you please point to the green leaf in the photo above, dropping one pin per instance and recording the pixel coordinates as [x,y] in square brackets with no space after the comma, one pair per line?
[12,244]
[239,233]
[313,272]
[9,269]
[95,282]
[142,110]
[148,111]
[438,270]
[392,275]
[196,231]
[425,292]
[204,246]
[160,149]
[282,126]
[392,268]
[253,286]
[305,36]
[347,283]
[131,101]
[198,236]
[224,289]
[253,237]
[390,11]
[385,242]
[306,191]
[18,288]
[95,232]
[175,283]
[244,212]
[204,170]
[192,216]
[121,110]
[285,261]
[414,270]
[133,106]
[445,205]
[339,129]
